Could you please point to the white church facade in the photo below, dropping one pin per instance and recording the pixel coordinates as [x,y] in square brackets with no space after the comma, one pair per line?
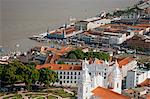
[99,76]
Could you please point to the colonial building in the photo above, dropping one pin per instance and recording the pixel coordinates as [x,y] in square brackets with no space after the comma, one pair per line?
[68,75]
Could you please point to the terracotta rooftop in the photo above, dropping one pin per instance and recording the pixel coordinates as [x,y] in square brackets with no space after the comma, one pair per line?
[147,96]
[70,30]
[125,61]
[144,25]
[59,67]
[145,83]
[99,61]
[123,26]
[104,93]
[62,51]
[60,31]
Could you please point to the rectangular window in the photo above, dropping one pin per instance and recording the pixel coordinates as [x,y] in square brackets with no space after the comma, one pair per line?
[79,73]
[74,73]
[67,77]
[60,82]
[75,77]
[117,85]
[71,73]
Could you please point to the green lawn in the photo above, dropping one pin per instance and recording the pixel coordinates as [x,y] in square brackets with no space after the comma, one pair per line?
[61,93]
[52,97]
[35,95]
[16,96]
[41,98]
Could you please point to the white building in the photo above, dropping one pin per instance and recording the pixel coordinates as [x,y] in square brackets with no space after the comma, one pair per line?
[98,75]
[92,74]
[127,64]
[91,23]
[136,77]
[109,36]
[68,75]
[96,23]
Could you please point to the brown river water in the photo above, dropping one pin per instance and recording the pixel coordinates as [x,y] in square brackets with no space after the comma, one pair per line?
[20,19]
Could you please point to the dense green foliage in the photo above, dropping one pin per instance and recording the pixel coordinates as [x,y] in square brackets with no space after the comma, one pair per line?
[79,54]
[18,72]
[60,62]
[48,76]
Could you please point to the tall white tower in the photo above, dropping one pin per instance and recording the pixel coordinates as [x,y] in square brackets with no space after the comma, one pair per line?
[84,88]
[117,80]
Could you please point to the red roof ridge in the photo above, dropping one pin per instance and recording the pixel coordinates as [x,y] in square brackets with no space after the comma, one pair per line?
[145,82]
[107,94]
[59,66]
[125,61]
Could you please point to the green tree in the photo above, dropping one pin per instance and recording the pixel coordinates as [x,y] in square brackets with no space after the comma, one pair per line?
[76,54]
[47,77]
[79,54]
[1,70]
[60,62]
[71,56]
[18,72]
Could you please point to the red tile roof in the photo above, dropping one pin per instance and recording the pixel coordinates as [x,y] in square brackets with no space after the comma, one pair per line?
[125,61]
[59,67]
[144,25]
[147,96]
[97,61]
[104,93]
[145,83]
[70,30]
[67,30]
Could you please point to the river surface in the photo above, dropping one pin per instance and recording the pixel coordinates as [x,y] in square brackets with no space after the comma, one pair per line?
[20,19]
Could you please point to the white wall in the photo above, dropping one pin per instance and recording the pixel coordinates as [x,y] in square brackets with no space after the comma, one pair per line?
[92,25]
[70,79]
